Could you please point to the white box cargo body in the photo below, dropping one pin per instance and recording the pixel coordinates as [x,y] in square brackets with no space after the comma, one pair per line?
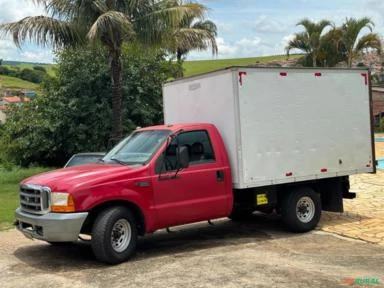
[281,125]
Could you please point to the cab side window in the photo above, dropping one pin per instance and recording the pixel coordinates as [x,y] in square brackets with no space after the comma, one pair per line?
[199,146]
[199,149]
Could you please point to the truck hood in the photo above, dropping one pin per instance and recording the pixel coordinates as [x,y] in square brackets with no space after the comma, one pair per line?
[79,177]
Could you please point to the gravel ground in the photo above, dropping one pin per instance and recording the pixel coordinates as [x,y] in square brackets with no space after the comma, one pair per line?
[258,253]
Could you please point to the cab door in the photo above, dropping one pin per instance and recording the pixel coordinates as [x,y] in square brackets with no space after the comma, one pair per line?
[195,193]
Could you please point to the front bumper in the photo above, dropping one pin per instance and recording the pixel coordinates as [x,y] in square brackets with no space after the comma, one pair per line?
[52,227]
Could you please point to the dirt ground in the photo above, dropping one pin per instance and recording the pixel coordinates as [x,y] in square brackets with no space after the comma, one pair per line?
[258,253]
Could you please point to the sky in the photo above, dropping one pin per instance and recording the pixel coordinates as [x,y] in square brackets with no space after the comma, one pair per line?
[246,28]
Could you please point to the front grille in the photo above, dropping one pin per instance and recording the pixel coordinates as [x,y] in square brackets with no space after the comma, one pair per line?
[34,199]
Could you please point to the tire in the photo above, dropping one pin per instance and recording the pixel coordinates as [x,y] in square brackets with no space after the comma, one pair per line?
[301,209]
[114,235]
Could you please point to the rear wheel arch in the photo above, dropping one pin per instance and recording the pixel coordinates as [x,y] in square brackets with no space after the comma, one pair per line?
[135,210]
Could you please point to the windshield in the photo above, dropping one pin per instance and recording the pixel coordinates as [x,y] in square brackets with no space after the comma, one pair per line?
[137,148]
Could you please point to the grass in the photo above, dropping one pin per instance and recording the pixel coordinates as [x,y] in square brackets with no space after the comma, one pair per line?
[9,192]
[202,66]
[16,83]
[49,67]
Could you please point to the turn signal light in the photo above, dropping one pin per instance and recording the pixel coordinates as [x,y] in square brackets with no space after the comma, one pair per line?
[62,203]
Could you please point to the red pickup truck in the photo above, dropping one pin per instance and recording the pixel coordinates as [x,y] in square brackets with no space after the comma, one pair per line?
[142,186]
[175,174]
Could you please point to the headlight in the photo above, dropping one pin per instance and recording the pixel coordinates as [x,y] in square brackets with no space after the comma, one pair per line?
[62,202]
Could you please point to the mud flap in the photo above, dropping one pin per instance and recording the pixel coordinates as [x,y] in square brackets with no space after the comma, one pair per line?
[332,193]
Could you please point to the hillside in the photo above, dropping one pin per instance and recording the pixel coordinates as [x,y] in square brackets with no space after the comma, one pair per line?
[190,67]
[49,67]
[7,82]
[202,66]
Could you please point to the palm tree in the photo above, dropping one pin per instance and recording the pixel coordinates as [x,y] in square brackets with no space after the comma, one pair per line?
[192,34]
[110,22]
[332,50]
[351,30]
[309,41]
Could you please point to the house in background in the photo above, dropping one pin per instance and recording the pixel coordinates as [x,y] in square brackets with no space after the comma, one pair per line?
[15,100]
[5,101]
[29,94]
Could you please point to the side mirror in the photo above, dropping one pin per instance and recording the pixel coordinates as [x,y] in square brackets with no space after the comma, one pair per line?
[183,157]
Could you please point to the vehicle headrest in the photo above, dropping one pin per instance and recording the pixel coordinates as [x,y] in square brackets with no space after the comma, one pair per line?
[197,148]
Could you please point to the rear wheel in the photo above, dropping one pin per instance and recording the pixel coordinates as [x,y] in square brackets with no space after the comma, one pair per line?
[114,235]
[301,209]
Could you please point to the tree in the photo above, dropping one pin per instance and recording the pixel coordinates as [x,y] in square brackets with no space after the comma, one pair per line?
[73,112]
[309,41]
[332,50]
[193,33]
[71,23]
[350,32]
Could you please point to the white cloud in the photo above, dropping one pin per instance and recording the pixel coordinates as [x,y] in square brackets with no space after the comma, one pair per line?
[41,56]
[17,9]
[225,49]
[284,42]
[6,45]
[224,27]
[245,47]
[265,24]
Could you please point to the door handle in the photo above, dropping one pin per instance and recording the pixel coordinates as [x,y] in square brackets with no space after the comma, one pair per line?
[220,175]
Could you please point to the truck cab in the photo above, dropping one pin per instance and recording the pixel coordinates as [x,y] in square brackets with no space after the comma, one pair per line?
[158,177]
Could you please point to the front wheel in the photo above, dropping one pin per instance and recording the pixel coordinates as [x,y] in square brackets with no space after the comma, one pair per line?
[114,235]
[301,209]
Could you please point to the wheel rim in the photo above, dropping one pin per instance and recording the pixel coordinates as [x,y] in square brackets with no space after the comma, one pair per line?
[121,235]
[305,209]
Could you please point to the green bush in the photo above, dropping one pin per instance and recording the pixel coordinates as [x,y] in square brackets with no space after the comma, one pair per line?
[31,75]
[35,75]
[40,68]
[73,114]
[380,128]
[4,70]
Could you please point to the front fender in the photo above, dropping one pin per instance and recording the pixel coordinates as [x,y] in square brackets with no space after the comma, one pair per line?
[142,198]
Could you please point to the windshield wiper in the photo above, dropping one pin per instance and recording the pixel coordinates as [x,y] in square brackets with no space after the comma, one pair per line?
[125,163]
[119,161]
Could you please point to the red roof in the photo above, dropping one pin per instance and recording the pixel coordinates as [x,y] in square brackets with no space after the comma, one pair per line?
[15,99]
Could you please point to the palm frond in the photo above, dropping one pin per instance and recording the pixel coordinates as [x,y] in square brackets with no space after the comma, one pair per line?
[42,30]
[207,26]
[110,25]
[371,40]
[173,16]
[187,39]
[352,28]
[300,42]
